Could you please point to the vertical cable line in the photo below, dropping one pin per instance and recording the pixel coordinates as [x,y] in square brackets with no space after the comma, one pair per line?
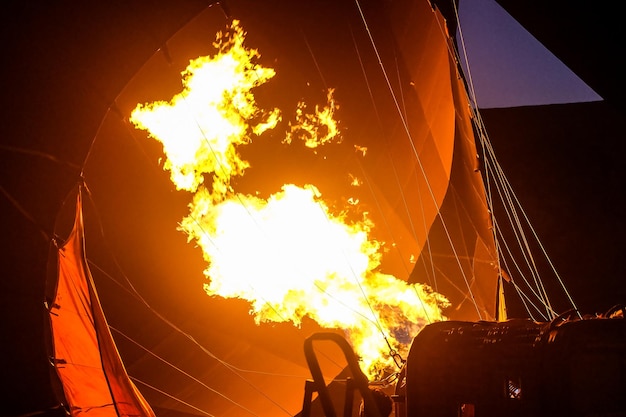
[414,150]
[516,201]
[507,196]
[482,137]
[393,165]
[506,192]
[397,182]
[480,131]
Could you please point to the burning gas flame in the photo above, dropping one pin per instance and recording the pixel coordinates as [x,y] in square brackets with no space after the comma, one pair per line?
[315,129]
[201,127]
[288,255]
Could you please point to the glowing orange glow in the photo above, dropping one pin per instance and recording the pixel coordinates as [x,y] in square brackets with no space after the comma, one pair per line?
[289,255]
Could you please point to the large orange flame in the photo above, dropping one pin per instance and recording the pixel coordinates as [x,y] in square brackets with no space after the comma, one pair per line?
[288,255]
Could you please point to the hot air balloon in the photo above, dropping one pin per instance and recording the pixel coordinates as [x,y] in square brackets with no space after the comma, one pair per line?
[357,110]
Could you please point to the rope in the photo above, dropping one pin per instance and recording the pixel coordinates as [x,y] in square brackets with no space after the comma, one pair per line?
[508,196]
[397,183]
[138,296]
[152,387]
[183,372]
[414,150]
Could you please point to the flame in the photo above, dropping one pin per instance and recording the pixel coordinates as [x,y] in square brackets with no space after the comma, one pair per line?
[289,255]
[362,149]
[317,128]
[201,126]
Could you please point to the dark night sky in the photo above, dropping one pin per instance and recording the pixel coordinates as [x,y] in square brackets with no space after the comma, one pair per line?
[509,67]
